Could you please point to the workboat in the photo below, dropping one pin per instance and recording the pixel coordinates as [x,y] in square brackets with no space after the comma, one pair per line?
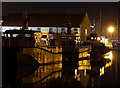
[13,43]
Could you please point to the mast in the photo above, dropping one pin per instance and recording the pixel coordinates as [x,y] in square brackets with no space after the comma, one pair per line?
[101,21]
[94,25]
[25,23]
[68,23]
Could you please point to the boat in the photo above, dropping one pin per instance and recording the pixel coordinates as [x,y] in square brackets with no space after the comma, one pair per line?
[13,43]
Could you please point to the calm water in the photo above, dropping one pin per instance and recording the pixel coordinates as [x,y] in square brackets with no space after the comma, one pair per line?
[58,74]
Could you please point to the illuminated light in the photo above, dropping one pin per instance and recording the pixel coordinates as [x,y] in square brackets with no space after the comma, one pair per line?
[92,38]
[98,38]
[106,40]
[44,39]
[95,38]
[84,72]
[5,35]
[78,77]
[108,64]
[111,29]
[86,32]
[109,55]
[103,38]
[84,68]
[75,72]
[102,71]
[92,26]
[8,35]
[108,44]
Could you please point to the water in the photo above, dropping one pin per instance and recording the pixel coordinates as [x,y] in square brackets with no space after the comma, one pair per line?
[85,74]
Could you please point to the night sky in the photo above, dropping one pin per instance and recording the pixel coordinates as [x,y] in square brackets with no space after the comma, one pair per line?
[109,9]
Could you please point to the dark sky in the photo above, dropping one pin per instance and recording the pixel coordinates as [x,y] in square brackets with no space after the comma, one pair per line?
[109,9]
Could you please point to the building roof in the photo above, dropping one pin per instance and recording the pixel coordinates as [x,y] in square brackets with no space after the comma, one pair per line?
[43,20]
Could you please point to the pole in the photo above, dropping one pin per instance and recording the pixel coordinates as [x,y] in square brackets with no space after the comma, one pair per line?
[112,37]
[101,21]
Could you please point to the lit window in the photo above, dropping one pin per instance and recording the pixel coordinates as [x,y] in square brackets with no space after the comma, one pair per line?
[39,29]
[8,35]
[27,35]
[14,35]
[86,32]
[50,31]
[5,35]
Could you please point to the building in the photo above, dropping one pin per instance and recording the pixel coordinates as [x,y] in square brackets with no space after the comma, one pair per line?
[50,23]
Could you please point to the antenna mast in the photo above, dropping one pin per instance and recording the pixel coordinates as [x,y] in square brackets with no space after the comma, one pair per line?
[68,23]
[101,21]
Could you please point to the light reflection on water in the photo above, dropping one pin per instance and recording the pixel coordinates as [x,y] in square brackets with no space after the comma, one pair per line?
[54,70]
[85,68]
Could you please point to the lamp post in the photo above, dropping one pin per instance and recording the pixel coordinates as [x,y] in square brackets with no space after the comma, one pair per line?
[111,30]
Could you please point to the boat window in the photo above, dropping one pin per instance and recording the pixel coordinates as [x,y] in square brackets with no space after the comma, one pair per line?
[8,35]
[27,35]
[86,32]
[14,35]
[5,35]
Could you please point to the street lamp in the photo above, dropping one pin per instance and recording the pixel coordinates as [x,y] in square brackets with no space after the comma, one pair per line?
[111,30]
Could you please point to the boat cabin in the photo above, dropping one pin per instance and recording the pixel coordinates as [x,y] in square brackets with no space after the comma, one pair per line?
[21,38]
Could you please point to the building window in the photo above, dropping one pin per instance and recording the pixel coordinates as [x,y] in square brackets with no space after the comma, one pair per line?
[86,32]
[62,30]
[39,29]
[50,31]
[27,35]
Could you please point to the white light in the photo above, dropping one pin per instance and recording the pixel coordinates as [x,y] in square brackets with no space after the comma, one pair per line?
[106,40]
[103,38]
[76,72]
[111,29]
[92,26]
[98,38]
[92,38]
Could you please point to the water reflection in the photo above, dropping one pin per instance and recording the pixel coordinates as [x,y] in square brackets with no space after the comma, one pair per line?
[56,74]
[89,70]
[60,75]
